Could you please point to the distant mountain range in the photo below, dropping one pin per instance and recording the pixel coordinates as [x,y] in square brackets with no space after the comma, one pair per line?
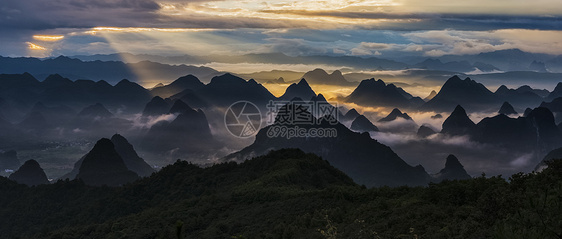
[376,93]
[475,96]
[301,90]
[486,62]
[536,132]
[182,116]
[110,71]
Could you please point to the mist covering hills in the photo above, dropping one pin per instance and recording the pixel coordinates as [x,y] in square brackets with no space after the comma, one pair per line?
[185,117]
[182,171]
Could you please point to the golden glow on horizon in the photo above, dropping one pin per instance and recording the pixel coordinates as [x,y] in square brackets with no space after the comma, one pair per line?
[275,11]
[35,47]
[96,30]
[191,41]
[48,37]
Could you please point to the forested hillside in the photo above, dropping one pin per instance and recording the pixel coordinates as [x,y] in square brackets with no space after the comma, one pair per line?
[285,194]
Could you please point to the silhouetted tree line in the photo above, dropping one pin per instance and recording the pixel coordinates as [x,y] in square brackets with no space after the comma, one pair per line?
[285,194]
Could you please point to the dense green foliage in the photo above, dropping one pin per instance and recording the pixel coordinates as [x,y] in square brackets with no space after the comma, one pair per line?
[285,194]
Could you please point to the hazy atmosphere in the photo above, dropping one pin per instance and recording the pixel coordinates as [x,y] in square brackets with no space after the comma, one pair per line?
[280,119]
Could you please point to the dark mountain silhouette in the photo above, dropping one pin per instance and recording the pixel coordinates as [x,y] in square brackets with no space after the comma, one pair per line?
[321,77]
[130,156]
[364,159]
[485,67]
[96,121]
[518,60]
[430,96]
[555,64]
[455,66]
[9,160]
[319,98]
[552,155]
[362,124]
[425,131]
[180,107]
[18,93]
[125,95]
[104,166]
[130,94]
[555,105]
[30,174]
[95,111]
[352,114]
[548,134]
[522,97]
[556,93]
[156,86]
[458,123]
[256,194]
[227,89]
[537,132]
[507,109]
[453,171]
[537,66]
[468,93]
[301,90]
[356,62]
[34,121]
[183,83]
[111,71]
[54,114]
[279,80]
[376,93]
[192,98]
[540,92]
[42,117]
[188,132]
[325,108]
[156,106]
[396,113]
[527,112]
[127,153]
[505,131]
[9,131]
[75,170]
[55,90]
[56,81]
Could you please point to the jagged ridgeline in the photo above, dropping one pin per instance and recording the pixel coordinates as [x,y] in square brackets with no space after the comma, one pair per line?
[286,193]
[364,159]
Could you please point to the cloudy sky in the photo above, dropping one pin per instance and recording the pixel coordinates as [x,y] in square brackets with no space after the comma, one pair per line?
[382,28]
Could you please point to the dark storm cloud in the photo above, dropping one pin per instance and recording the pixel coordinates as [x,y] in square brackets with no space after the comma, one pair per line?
[226,22]
[433,21]
[43,15]
[40,14]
